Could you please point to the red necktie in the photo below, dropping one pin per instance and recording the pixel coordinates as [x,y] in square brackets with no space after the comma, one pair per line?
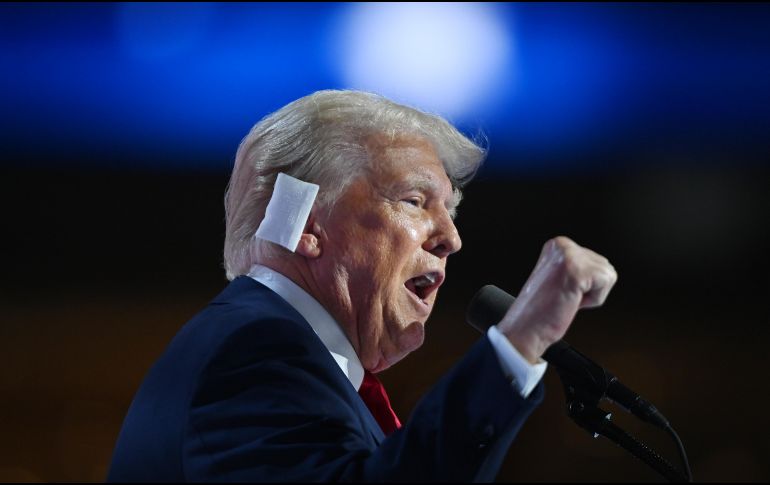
[373,394]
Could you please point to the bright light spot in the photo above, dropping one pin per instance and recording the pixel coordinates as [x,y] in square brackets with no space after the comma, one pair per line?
[447,58]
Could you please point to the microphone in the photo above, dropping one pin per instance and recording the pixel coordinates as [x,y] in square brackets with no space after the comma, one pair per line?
[489,306]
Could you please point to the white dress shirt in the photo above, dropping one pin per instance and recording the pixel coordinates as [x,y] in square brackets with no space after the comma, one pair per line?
[523,375]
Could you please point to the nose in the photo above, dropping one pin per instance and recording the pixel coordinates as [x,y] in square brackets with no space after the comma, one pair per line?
[445,239]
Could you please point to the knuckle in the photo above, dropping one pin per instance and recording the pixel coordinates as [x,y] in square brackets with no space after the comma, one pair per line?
[560,249]
[609,271]
[562,243]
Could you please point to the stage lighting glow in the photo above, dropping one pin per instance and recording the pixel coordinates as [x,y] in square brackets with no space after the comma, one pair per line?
[447,58]
[157,31]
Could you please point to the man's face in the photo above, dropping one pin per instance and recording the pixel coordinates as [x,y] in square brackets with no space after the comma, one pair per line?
[386,247]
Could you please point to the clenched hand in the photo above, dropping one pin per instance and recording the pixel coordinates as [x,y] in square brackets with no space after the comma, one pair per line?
[567,277]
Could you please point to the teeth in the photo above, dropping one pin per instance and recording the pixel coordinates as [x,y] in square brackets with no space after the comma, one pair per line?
[425,280]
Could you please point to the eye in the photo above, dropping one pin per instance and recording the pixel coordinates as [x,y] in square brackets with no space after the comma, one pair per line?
[414,201]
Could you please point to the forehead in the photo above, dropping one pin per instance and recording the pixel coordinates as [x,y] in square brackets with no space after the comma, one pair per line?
[406,158]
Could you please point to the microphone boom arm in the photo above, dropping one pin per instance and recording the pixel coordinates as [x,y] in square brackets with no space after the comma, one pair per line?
[582,408]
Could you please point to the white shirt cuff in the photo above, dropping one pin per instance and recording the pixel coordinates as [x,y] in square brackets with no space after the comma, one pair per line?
[524,376]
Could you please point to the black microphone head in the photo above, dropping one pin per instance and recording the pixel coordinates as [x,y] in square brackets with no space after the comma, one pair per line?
[487,307]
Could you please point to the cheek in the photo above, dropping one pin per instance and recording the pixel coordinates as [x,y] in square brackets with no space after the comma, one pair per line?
[413,233]
[410,230]
[380,246]
[392,238]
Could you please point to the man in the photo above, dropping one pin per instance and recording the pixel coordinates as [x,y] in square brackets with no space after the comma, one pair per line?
[331,287]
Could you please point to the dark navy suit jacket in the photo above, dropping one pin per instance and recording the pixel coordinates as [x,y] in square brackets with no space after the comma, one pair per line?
[246,391]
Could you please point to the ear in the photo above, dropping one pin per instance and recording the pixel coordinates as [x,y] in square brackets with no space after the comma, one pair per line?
[309,244]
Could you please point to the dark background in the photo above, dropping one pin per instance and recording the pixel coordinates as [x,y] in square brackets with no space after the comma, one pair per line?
[112,238]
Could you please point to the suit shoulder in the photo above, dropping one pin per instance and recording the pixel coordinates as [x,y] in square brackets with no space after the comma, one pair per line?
[248,318]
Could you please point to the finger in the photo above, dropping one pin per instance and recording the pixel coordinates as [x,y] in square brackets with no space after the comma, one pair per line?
[603,278]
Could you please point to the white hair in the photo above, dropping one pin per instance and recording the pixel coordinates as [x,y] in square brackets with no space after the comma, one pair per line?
[320,139]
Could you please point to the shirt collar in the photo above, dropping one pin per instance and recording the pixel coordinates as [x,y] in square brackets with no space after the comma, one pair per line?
[327,329]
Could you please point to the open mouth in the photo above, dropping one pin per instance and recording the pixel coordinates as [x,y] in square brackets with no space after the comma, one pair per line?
[423,285]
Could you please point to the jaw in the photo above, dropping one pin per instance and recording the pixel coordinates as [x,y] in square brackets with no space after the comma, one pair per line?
[404,340]
[386,339]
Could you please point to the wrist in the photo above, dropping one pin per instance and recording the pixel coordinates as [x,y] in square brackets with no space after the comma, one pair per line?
[529,345]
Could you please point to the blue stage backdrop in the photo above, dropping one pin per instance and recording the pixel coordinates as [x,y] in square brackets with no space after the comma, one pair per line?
[552,86]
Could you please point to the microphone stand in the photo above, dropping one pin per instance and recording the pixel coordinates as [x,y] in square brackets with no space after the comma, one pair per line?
[582,407]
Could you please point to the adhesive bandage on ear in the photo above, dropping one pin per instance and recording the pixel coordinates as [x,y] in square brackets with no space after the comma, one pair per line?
[287,211]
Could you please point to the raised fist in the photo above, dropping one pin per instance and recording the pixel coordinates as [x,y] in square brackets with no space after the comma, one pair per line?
[567,277]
